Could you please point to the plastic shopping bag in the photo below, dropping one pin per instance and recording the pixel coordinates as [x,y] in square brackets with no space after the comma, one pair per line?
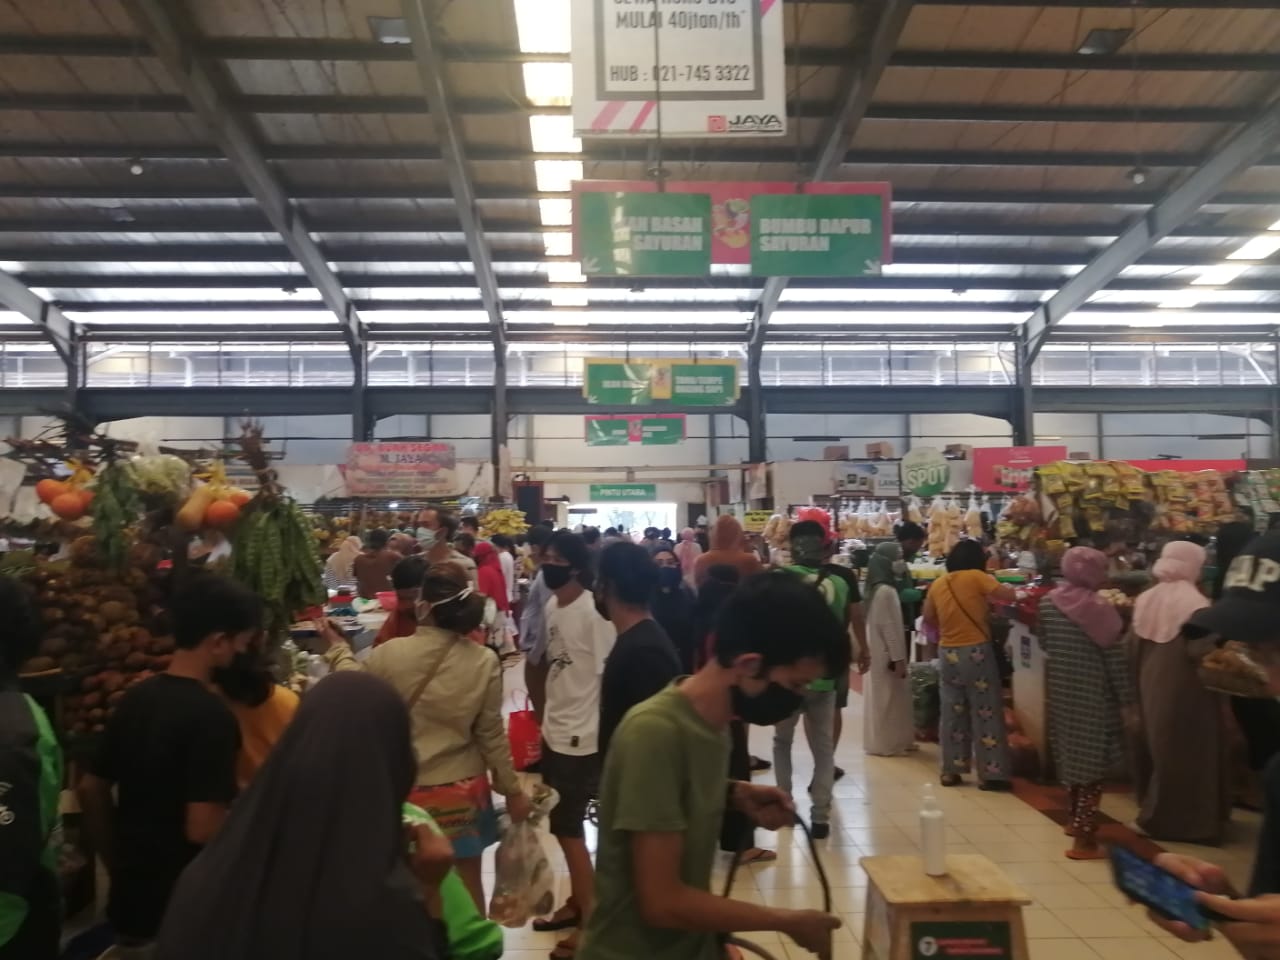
[525,736]
[524,884]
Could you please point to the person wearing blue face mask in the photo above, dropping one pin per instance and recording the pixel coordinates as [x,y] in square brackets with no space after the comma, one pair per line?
[673,604]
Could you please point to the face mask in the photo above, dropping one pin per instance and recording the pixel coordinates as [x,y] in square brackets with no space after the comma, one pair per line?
[426,537]
[602,607]
[768,708]
[899,567]
[556,575]
[669,577]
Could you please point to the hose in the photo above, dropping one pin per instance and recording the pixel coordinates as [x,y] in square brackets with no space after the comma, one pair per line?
[755,948]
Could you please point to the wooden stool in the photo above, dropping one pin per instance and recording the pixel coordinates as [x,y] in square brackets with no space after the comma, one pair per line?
[972,912]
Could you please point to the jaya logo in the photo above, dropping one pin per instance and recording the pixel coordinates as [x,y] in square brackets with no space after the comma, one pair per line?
[744,123]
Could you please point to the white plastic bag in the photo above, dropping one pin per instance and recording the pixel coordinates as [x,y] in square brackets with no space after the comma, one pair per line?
[524,885]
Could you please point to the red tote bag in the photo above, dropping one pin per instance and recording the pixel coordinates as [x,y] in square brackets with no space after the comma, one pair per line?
[525,736]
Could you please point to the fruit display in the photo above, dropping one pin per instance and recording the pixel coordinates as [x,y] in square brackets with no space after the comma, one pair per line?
[505,521]
[777,531]
[68,499]
[1117,598]
[162,479]
[215,504]
[115,508]
[1229,670]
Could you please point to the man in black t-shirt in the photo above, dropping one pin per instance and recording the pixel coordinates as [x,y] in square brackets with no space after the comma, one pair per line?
[643,660]
[169,750]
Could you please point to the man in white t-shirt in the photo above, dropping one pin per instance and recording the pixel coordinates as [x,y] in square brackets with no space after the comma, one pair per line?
[578,642]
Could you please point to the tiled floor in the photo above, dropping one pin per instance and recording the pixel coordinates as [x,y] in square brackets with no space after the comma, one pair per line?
[1076,915]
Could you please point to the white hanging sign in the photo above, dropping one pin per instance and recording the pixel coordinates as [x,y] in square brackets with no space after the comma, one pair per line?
[718,70]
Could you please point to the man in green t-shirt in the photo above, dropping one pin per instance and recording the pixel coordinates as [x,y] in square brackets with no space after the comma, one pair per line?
[665,785]
[30,779]
[808,554]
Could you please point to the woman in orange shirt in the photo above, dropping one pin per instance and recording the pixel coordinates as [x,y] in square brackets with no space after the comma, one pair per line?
[972,722]
[262,707]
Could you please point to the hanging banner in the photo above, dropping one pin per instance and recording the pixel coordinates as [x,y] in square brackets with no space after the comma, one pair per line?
[817,235]
[754,521]
[708,68]
[643,492]
[925,471]
[872,479]
[658,429]
[644,234]
[409,470]
[734,211]
[647,383]
[1010,468]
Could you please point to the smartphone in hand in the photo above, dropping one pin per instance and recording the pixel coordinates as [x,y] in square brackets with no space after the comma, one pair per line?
[1158,890]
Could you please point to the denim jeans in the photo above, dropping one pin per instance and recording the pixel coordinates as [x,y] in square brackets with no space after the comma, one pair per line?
[819,712]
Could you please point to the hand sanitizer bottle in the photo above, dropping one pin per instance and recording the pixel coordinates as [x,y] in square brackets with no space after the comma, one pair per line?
[933,834]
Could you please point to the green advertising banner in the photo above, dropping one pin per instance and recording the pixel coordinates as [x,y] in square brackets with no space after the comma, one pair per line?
[649,383]
[646,492]
[817,235]
[658,430]
[644,234]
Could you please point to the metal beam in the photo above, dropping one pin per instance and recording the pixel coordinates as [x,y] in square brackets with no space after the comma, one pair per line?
[941,254]
[292,104]
[602,153]
[52,323]
[368,51]
[1251,281]
[1236,155]
[203,92]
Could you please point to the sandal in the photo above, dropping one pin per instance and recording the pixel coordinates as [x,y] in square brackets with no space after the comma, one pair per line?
[564,950]
[996,786]
[951,780]
[1094,852]
[756,855]
[566,918]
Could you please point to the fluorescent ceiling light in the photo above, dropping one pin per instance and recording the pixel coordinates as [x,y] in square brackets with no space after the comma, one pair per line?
[548,84]
[556,176]
[564,271]
[543,25]
[556,213]
[569,297]
[1218,276]
[553,134]
[1146,322]
[1275,226]
[1101,42]
[559,244]
[1180,300]
[1259,248]
[389,29]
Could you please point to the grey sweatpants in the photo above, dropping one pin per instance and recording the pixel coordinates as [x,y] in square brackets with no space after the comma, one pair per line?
[819,712]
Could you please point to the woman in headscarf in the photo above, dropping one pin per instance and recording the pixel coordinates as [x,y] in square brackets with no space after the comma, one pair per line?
[1181,770]
[493,584]
[339,569]
[1087,688]
[886,710]
[313,862]
[672,607]
[687,551]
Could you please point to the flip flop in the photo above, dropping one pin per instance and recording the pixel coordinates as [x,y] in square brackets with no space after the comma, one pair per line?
[1097,853]
[553,925]
[564,950]
[757,855]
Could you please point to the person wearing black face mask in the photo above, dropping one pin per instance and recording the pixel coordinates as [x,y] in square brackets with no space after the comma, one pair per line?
[579,641]
[665,786]
[673,604]
[262,707]
[644,660]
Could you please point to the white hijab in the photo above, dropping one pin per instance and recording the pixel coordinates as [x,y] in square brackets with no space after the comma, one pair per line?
[1161,612]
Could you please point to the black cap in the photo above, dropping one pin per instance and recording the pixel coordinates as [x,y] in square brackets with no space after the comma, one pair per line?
[1249,608]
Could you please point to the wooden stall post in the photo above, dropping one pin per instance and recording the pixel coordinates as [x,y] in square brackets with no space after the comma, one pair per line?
[972,911]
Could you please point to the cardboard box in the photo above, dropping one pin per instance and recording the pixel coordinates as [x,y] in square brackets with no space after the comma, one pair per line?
[880,450]
[836,453]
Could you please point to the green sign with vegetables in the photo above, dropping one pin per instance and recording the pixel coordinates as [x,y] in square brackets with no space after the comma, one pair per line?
[655,383]
[644,234]
[817,235]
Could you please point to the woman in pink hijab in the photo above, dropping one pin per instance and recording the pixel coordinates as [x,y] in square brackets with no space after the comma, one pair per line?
[1087,688]
[687,551]
[1181,772]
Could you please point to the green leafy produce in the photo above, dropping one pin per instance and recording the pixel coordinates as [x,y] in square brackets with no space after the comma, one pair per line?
[116,507]
[274,554]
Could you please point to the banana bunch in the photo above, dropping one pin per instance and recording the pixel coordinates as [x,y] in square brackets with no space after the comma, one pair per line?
[510,522]
[115,508]
[274,554]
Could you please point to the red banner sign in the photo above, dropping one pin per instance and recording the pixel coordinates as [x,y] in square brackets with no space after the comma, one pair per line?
[731,207]
[1010,468]
[410,470]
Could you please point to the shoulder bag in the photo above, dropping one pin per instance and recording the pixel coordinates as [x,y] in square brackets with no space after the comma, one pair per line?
[1003,663]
